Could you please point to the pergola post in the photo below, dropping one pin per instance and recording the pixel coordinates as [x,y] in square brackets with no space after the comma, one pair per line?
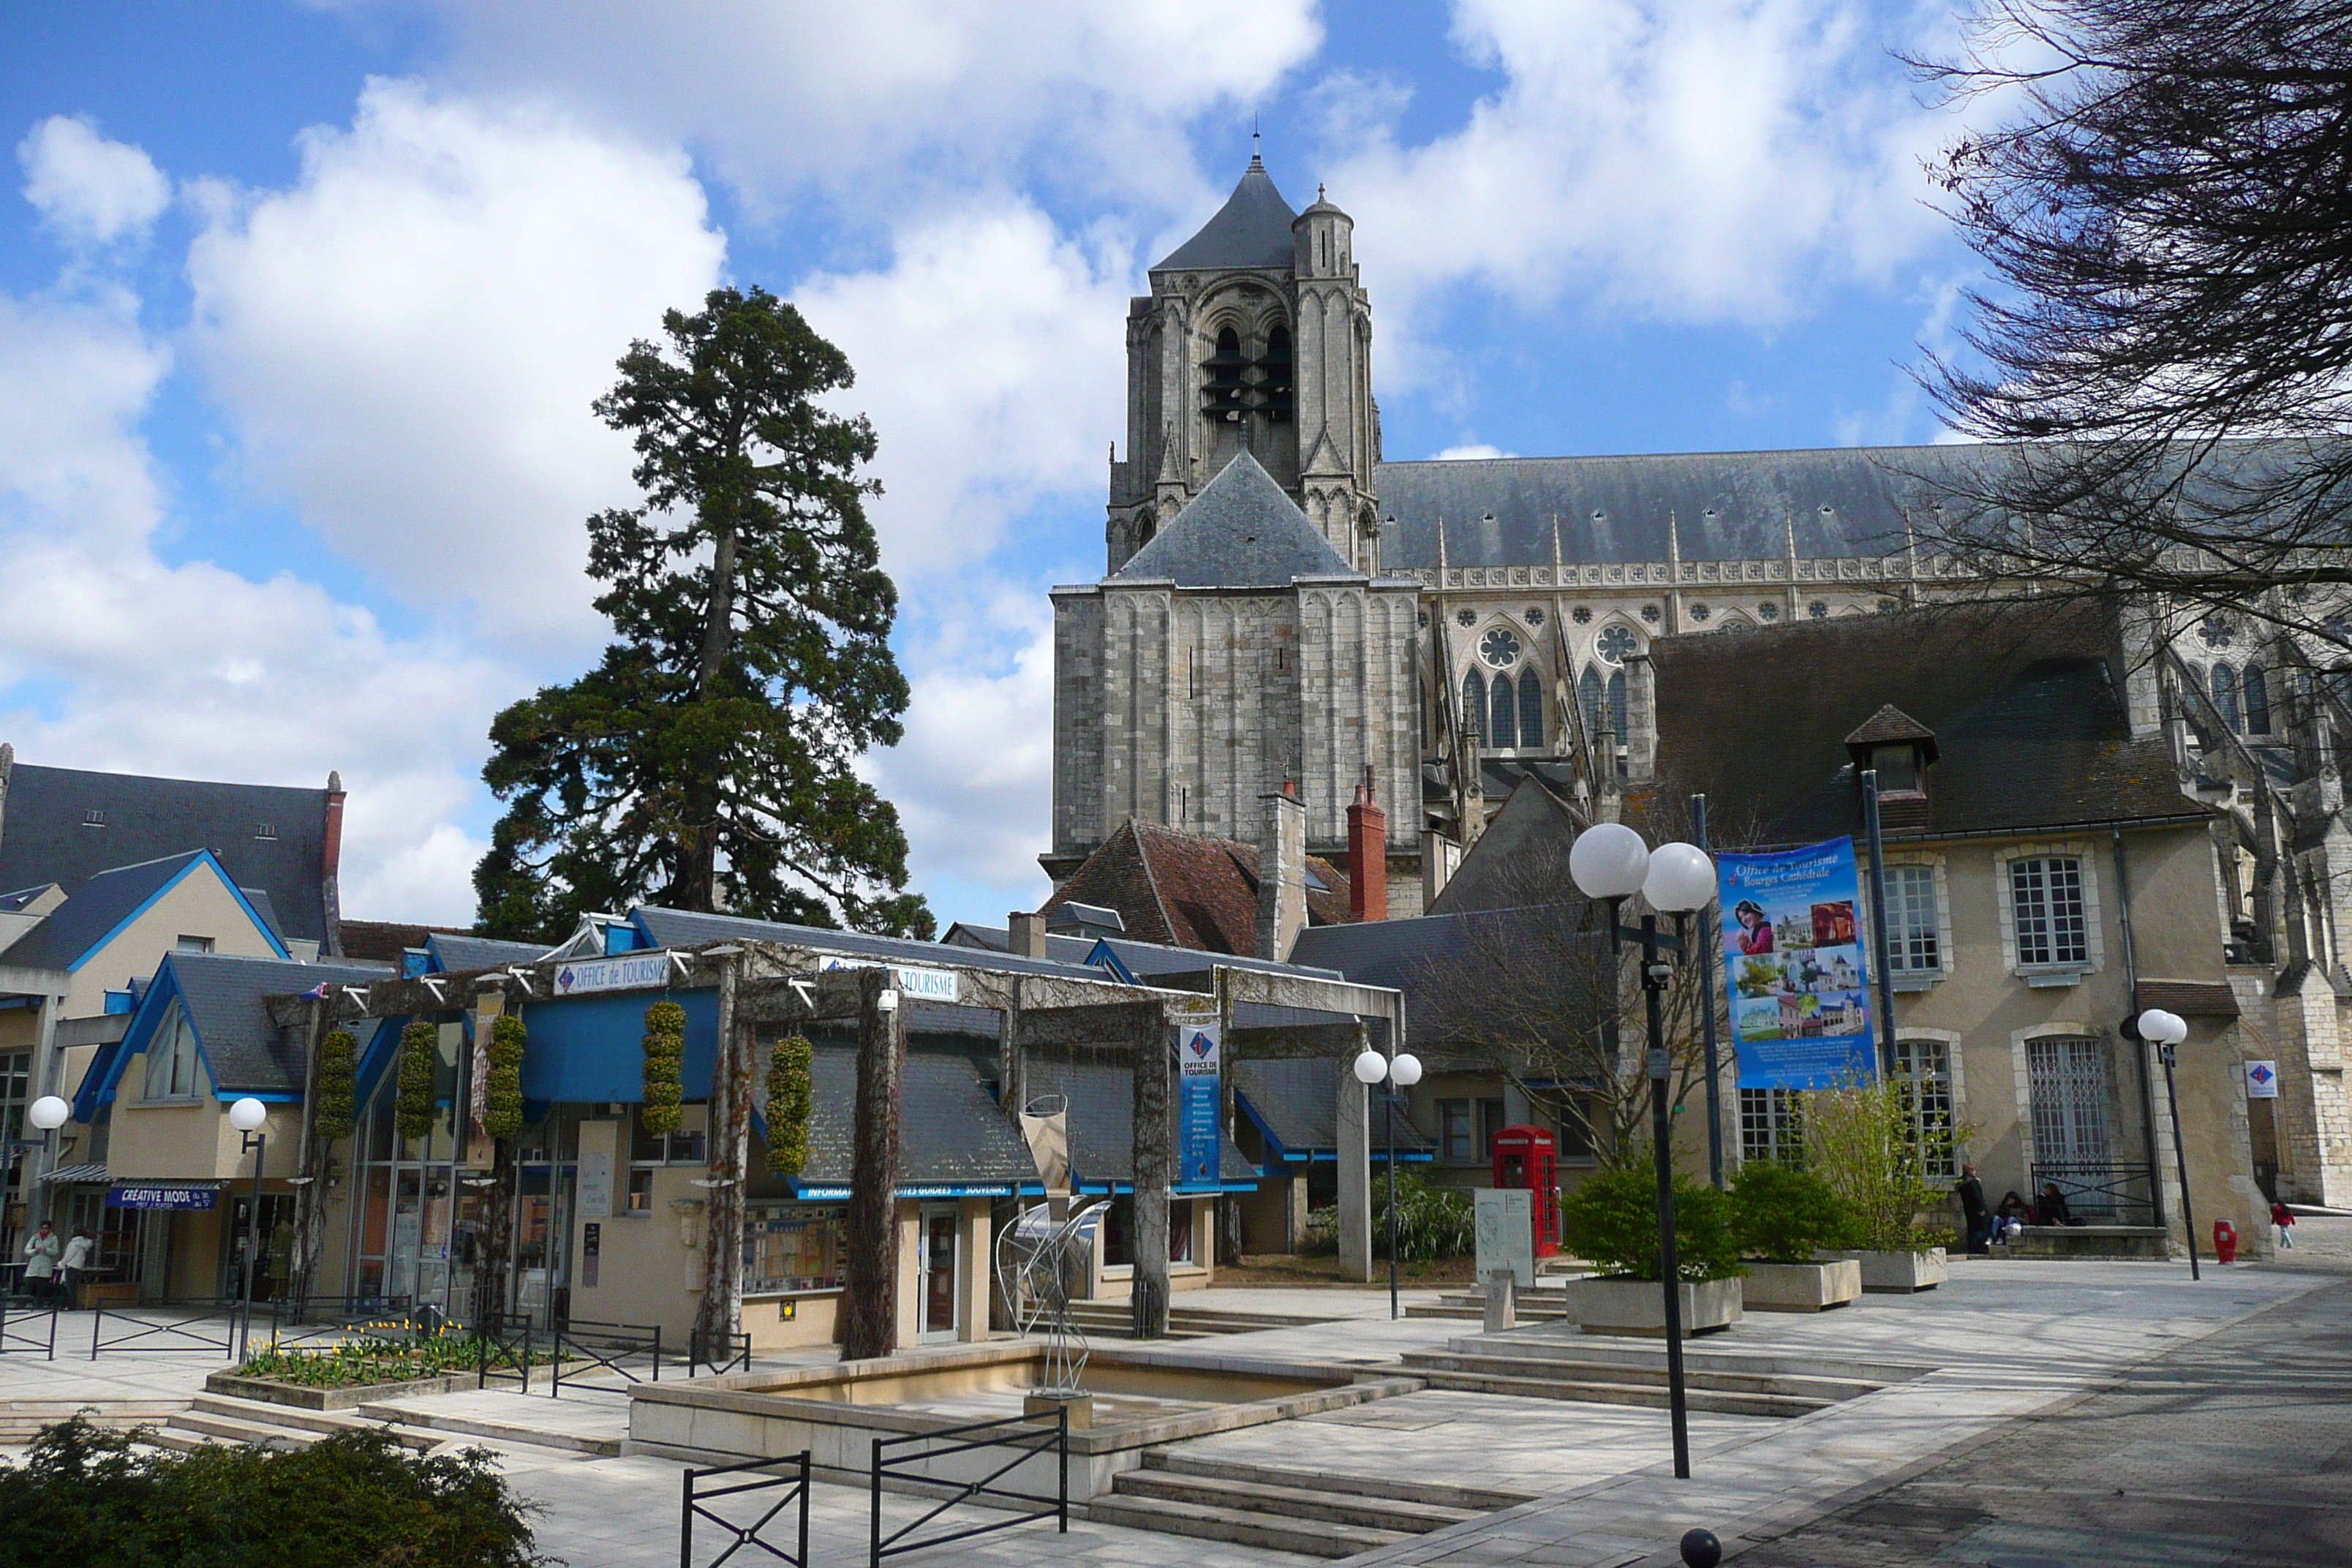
[1354,1168]
[870,1267]
[728,1148]
[1154,1164]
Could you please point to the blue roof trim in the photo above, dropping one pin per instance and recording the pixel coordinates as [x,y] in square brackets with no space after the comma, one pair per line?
[161,992]
[1274,1148]
[85,1099]
[376,1060]
[1105,956]
[201,858]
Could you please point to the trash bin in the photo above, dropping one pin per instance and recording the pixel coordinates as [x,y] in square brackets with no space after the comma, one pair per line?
[2225,1241]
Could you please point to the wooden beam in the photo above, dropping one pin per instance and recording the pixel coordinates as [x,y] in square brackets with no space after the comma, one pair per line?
[870,1293]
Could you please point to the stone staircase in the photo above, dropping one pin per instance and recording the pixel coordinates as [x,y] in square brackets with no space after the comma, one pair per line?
[1110,1321]
[1308,1513]
[212,1418]
[21,1420]
[1724,1384]
[1535,1306]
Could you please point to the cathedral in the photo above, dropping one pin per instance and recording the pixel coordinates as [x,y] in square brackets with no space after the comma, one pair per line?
[1283,608]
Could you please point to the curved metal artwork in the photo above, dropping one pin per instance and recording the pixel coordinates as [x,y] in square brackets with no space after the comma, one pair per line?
[1036,1262]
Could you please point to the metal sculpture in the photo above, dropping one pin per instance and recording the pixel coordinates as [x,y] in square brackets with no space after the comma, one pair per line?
[1037,1259]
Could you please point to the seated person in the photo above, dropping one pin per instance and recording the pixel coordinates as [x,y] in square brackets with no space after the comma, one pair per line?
[2053,1210]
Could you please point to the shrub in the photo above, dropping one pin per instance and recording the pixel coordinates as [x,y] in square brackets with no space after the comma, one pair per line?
[502,1118]
[1859,1137]
[420,1047]
[790,1098]
[1612,1222]
[337,1098]
[1432,1221]
[664,1059]
[1784,1214]
[355,1499]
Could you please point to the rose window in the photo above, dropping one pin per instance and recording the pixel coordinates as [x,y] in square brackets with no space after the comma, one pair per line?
[1615,642]
[1583,615]
[1500,647]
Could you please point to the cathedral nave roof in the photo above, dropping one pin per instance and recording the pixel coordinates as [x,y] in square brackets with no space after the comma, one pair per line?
[1241,532]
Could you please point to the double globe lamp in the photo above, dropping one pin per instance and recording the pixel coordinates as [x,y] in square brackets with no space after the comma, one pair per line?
[1402,1073]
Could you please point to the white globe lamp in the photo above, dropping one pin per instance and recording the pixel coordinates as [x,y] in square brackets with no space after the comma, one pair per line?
[247,1115]
[2159,1027]
[1609,861]
[1371,1066]
[1681,879]
[1406,1070]
[48,1114]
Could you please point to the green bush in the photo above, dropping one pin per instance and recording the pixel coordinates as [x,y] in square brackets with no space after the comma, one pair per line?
[665,1061]
[1612,1222]
[420,1048]
[356,1500]
[502,1118]
[790,1098]
[1784,1214]
[338,1071]
[1860,1136]
[1433,1222]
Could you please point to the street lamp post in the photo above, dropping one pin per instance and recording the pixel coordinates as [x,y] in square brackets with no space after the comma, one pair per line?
[46,1114]
[1610,864]
[249,1116]
[1402,1074]
[2167,1030]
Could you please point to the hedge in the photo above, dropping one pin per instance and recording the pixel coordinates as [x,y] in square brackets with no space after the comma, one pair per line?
[790,1098]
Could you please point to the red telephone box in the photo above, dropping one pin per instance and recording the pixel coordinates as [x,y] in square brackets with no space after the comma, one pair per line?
[1527,1157]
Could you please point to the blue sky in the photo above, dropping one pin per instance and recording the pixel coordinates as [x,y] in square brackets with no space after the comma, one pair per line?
[301,307]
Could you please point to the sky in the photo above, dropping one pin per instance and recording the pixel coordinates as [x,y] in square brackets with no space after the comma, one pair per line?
[302,307]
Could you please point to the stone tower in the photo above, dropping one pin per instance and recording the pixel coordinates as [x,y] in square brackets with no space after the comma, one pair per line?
[1257,337]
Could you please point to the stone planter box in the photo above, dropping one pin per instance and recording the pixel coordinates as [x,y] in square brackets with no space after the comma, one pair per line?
[302,1397]
[1899,1273]
[1639,1306]
[1800,1286]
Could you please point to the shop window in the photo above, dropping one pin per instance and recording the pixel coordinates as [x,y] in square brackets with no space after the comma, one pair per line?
[793,1247]
[1119,1232]
[679,1148]
[641,1191]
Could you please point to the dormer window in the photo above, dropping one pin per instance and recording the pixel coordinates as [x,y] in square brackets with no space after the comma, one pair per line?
[268,830]
[1900,750]
[1898,769]
[93,818]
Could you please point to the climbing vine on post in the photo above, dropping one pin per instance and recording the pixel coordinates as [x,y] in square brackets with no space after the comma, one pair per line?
[665,1057]
[338,1067]
[420,1044]
[502,1118]
[789,1099]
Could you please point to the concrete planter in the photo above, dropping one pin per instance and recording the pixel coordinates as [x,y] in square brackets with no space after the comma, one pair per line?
[1800,1286]
[1900,1273]
[302,1397]
[1639,1306]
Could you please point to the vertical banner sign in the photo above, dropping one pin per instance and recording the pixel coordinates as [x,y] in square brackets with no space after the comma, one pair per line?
[1794,966]
[1199,1142]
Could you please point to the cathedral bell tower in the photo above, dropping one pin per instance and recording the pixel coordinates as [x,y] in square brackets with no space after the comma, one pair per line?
[1257,337]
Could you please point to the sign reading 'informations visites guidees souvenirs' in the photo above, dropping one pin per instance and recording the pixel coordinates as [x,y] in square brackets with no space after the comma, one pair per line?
[1793,964]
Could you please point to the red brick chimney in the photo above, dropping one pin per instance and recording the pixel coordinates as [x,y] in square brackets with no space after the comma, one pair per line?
[1367,855]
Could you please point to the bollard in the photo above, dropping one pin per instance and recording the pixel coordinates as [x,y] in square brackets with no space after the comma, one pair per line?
[1701,1548]
[1502,1300]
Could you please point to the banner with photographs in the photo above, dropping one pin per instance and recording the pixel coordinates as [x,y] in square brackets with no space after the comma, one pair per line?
[1793,962]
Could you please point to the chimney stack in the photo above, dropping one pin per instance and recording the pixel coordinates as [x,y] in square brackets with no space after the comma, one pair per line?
[1025,934]
[1367,855]
[1282,874]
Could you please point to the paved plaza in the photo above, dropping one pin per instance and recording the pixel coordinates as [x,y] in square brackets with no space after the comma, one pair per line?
[2040,1383]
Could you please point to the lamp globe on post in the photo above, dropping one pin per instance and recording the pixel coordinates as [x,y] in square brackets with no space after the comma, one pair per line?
[1609,861]
[1371,1067]
[1680,879]
[48,1114]
[2164,1031]
[249,1116]
[1406,1071]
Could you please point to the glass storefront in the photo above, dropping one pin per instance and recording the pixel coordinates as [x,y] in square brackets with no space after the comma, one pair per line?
[793,1247]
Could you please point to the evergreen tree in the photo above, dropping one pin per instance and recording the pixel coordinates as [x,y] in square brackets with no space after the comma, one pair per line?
[705,763]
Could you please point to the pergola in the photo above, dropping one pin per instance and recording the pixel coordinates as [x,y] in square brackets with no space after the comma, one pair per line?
[767,988]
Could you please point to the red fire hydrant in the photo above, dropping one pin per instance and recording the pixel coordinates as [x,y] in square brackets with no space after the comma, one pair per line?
[2225,1241]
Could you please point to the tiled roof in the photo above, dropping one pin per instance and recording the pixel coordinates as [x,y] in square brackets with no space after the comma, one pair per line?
[2021,694]
[2190,998]
[47,834]
[1186,890]
[1890,724]
[1241,532]
[224,996]
[950,1131]
[1102,1116]
[1298,1101]
[387,941]
[93,909]
[1252,229]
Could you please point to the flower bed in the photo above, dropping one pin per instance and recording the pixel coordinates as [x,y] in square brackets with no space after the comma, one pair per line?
[378,1356]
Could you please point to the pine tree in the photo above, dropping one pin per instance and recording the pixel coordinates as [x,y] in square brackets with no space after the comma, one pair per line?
[706,762]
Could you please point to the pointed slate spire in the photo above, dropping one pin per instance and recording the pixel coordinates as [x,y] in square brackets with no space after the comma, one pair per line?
[1252,229]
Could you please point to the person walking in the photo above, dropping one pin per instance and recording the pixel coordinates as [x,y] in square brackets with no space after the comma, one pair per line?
[2283,1217]
[1978,1211]
[75,1263]
[41,1252]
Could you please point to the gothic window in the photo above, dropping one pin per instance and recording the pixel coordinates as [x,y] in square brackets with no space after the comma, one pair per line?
[1145,527]
[1617,706]
[1503,724]
[1614,642]
[2225,695]
[1534,617]
[1531,713]
[1589,691]
[1769,610]
[1474,700]
[1500,647]
[2258,702]
[1223,396]
[1274,372]
[1582,615]
[2216,631]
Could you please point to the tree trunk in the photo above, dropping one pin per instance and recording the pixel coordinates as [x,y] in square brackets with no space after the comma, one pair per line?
[728,1141]
[310,1206]
[1154,1161]
[496,1253]
[870,1268]
[697,862]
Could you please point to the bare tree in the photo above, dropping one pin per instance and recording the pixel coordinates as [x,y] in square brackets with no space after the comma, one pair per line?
[2164,210]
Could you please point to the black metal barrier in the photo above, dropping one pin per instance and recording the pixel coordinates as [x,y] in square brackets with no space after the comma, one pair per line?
[719,1352]
[1034,1439]
[2099,1191]
[147,1327]
[699,1495]
[23,1328]
[503,1342]
[607,1345]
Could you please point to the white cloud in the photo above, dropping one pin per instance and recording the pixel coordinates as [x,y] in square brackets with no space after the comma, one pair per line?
[1477,449]
[989,356]
[89,190]
[1693,161]
[407,342]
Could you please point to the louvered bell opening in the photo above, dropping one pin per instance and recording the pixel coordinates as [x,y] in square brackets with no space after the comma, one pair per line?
[1273,377]
[1225,396]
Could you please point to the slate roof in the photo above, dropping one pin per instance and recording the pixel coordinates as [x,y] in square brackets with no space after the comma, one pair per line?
[1102,1117]
[1252,229]
[683,928]
[2021,694]
[1241,532]
[1522,855]
[950,1131]
[1889,723]
[1298,1101]
[1141,959]
[93,909]
[386,941]
[458,951]
[1417,956]
[1187,889]
[224,996]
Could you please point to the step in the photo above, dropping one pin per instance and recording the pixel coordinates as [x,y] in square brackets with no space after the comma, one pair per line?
[1710,1355]
[1473,1309]
[446,1421]
[1309,1538]
[231,1428]
[321,1423]
[1652,1397]
[176,1441]
[1801,1385]
[1290,1502]
[1439,1494]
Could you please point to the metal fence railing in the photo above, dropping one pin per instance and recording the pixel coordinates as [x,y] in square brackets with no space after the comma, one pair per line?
[26,1328]
[182,1326]
[701,1494]
[2100,1192]
[895,1457]
[718,1353]
[632,1351]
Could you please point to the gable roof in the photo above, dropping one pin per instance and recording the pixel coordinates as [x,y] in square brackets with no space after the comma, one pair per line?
[460,951]
[2021,695]
[45,834]
[1525,844]
[223,996]
[1890,724]
[1252,229]
[1241,532]
[1188,890]
[93,912]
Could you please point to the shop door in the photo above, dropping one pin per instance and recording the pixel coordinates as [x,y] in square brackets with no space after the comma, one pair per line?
[941,1273]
